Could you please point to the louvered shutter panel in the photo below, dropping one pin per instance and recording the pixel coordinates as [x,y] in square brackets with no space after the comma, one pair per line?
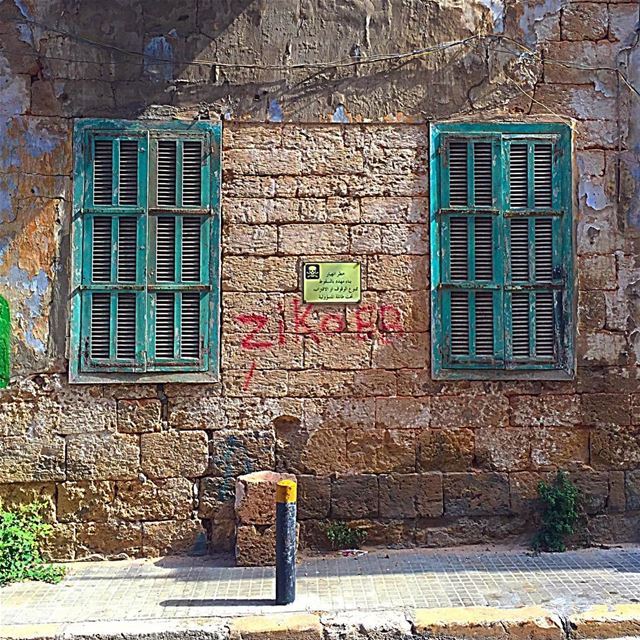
[128,173]
[101,258]
[127,249]
[100,326]
[458,173]
[483,248]
[483,174]
[484,325]
[190,325]
[166,249]
[459,323]
[165,325]
[126,326]
[191,240]
[103,172]
[519,176]
[167,173]
[192,173]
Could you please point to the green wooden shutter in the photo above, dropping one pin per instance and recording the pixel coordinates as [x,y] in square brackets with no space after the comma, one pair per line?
[468,233]
[180,228]
[146,248]
[501,249]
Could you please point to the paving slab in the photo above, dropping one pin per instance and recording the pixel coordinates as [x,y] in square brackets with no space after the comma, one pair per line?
[496,592]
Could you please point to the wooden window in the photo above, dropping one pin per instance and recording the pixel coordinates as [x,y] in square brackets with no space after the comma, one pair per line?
[502,251]
[145,246]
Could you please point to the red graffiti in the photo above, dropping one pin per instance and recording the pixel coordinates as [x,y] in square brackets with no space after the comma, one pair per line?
[333,323]
[371,322]
[390,319]
[259,322]
[249,377]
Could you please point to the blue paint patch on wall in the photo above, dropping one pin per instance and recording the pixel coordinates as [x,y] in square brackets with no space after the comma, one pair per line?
[158,60]
[340,115]
[275,113]
[8,186]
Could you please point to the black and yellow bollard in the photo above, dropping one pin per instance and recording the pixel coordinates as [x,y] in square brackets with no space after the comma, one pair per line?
[286,542]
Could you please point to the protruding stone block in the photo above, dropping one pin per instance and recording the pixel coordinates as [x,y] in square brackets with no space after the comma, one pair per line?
[256,497]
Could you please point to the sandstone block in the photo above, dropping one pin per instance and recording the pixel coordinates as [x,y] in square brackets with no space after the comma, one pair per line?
[109,540]
[15,494]
[343,210]
[561,448]
[247,239]
[445,449]
[404,273]
[214,495]
[341,412]
[314,497]
[476,494]
[490,623]
[400,350]
[366,239]
[317,384]
[313,239]
[604,621]
[585,21]
[263,162]
[241,352]
[376,382]
[255,500]
[617,500]
[545,411]
[606,409]
[615,447]
[174,453]
[103,455]
[338,351]
[241,135]
[281,626]
[594,489]
[381,450]
[405,239]
[139,416]
[255,545]
[246,210]
[483,410]
[503,449]
[354,497]
[281,210]
[398,495]
[241,273]
[403,413]
[524,490]
[632,489]
[597,272]
[173,537]
[32,459]
[623,20]
[395,210]
[88,501]
[448,534]
[61,544]
[577,101]
[602,348]
[268,383]
[154,499]
[235,452]
[320,451]
[591,310]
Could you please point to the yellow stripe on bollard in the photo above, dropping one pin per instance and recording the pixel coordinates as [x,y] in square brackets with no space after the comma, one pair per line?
[286,491]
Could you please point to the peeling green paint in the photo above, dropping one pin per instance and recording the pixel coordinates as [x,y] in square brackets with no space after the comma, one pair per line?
[5,342]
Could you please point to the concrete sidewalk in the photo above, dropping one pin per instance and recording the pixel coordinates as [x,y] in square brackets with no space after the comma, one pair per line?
[448,592]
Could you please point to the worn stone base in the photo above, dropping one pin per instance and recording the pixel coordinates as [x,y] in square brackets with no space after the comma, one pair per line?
[464,623]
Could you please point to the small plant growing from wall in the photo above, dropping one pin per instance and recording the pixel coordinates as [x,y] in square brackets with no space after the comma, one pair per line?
[342,536]
[22,530]
[561,510]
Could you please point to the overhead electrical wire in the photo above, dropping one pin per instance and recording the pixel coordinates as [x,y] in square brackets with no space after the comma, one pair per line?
[333,64]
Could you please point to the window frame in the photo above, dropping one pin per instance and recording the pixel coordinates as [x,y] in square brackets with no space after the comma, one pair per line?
[85,130]
[563,367]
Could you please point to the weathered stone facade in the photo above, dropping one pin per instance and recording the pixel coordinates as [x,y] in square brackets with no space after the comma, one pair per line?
[340,396]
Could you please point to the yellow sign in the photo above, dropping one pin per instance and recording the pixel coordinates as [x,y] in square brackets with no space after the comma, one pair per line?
[331,282]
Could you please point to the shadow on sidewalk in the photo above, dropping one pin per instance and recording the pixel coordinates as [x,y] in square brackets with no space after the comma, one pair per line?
[212,602]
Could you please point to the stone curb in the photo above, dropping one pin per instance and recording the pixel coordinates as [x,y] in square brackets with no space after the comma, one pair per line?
[464,623]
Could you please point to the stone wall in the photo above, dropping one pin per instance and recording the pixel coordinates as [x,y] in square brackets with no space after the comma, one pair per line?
[341,396]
